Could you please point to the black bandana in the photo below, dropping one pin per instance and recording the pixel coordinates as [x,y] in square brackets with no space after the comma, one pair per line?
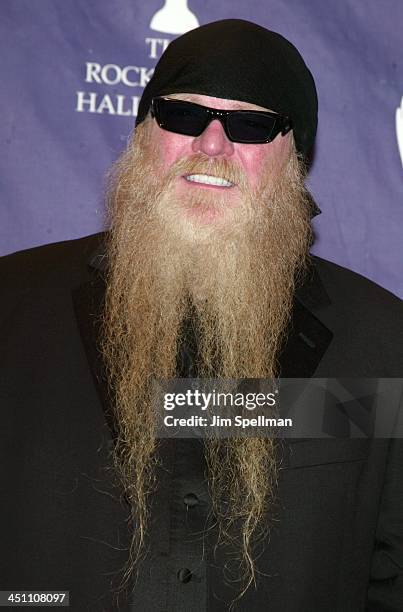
[239,60]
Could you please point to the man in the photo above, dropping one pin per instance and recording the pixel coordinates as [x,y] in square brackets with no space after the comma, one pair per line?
[206,272]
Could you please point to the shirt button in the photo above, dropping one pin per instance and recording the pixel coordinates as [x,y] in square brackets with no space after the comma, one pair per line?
[190,500]
[184,574]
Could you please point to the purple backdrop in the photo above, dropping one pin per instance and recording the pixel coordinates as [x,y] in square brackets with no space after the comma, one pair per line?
[72,73]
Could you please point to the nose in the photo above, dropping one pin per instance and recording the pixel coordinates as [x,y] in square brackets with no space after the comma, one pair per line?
[213,141]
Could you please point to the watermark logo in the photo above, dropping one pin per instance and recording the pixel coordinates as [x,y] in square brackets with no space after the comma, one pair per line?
[100,96]
[288,408]
[174,17]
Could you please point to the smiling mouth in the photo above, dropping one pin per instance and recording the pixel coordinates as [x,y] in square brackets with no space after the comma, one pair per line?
[207,179]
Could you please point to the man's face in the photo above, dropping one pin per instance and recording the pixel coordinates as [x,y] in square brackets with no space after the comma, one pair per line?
[259,164]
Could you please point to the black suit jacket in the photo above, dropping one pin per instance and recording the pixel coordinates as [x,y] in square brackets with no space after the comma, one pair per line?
[336,543]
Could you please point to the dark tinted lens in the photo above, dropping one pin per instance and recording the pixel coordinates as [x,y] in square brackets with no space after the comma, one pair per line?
[250,126]
[181,117]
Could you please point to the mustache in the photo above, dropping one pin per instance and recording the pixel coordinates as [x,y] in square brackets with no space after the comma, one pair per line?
[203,164]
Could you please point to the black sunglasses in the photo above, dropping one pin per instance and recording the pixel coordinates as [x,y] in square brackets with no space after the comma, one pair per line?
[245,126]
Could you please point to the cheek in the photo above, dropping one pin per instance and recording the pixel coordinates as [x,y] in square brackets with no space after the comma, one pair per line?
[262,159]
[255,165]
[171,147]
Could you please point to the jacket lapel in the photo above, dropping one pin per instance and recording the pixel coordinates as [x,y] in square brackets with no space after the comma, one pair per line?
[88,300]
[308,337]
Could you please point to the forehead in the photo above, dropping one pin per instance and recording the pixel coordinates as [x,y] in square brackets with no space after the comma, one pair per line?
[220,103]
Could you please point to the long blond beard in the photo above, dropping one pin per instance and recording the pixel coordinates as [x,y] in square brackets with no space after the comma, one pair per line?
[237,278]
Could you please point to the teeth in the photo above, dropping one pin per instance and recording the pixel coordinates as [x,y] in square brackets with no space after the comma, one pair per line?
[206,179]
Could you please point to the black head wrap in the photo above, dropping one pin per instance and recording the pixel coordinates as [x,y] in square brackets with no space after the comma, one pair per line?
[239,60]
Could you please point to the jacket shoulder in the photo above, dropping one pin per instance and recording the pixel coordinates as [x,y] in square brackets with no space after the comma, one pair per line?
[338,280]
[358,301]
[60,264]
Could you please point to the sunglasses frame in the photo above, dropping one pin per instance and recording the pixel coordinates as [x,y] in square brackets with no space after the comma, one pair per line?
[283,123]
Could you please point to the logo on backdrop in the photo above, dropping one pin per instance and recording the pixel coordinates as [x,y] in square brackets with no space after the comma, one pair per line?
[173,18]
[399,128]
